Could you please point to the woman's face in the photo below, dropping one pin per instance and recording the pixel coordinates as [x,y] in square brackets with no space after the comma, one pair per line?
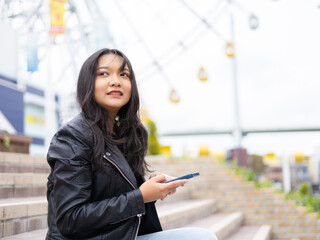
[112,89]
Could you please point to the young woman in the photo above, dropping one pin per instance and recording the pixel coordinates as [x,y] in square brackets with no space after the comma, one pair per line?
[96,188]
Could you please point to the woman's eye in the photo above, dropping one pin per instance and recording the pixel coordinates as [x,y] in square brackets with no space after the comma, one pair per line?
[103,74]
[125,74]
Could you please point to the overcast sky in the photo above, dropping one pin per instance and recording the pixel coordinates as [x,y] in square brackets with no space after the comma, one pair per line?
[277,65]
[278,69]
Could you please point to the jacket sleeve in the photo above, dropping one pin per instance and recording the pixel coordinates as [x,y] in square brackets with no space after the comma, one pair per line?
[72,188]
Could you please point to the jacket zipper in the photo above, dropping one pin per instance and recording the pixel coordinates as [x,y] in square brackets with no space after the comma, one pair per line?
[124,176]
[137,231]
[115,165]
[139,216]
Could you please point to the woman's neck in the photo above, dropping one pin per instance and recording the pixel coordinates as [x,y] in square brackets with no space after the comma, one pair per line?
[111,123]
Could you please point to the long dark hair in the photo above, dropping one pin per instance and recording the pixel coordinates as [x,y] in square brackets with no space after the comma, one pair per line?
[131,136]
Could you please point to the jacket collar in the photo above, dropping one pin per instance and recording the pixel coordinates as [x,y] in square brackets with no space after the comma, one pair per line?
[117,158]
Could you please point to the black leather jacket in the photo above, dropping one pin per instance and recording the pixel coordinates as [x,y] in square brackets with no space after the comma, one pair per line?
[85,203]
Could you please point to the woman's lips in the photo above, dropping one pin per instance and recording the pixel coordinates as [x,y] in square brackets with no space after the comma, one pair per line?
[115,93]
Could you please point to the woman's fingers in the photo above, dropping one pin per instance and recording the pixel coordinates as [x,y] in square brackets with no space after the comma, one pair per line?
[168,177]
[172,186]
[154,174]
[172,192]
[177,183]
[159,178]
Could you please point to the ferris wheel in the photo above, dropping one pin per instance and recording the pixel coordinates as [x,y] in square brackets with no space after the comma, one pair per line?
[84,26]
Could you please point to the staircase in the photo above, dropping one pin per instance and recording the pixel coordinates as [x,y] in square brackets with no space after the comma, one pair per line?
[261,208]
[217,200]
[23,206]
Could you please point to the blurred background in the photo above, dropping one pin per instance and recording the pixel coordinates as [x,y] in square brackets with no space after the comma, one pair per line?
[233,79]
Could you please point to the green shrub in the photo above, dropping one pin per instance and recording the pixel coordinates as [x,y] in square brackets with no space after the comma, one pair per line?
[304,189]
[303,197]
[263,184]
[153,144]
[6,142]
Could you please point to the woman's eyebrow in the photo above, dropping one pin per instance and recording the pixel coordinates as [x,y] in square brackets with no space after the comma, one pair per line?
[127,69]
[102,67]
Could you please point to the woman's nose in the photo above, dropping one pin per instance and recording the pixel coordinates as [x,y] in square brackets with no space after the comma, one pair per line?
[115,81]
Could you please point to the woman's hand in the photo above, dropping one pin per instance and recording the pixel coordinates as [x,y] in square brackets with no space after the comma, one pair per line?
[155,189]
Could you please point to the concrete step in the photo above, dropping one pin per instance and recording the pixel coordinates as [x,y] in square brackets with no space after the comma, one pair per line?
[227,225]
[244,232]
[171,215]
[19,215]
[252,233]
[33,235]
[219,223]
[224,225]
[17,185]
[22,163]
[264,233]
[179,214]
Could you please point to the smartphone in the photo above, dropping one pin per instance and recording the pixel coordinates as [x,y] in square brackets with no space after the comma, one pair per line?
[191,175]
